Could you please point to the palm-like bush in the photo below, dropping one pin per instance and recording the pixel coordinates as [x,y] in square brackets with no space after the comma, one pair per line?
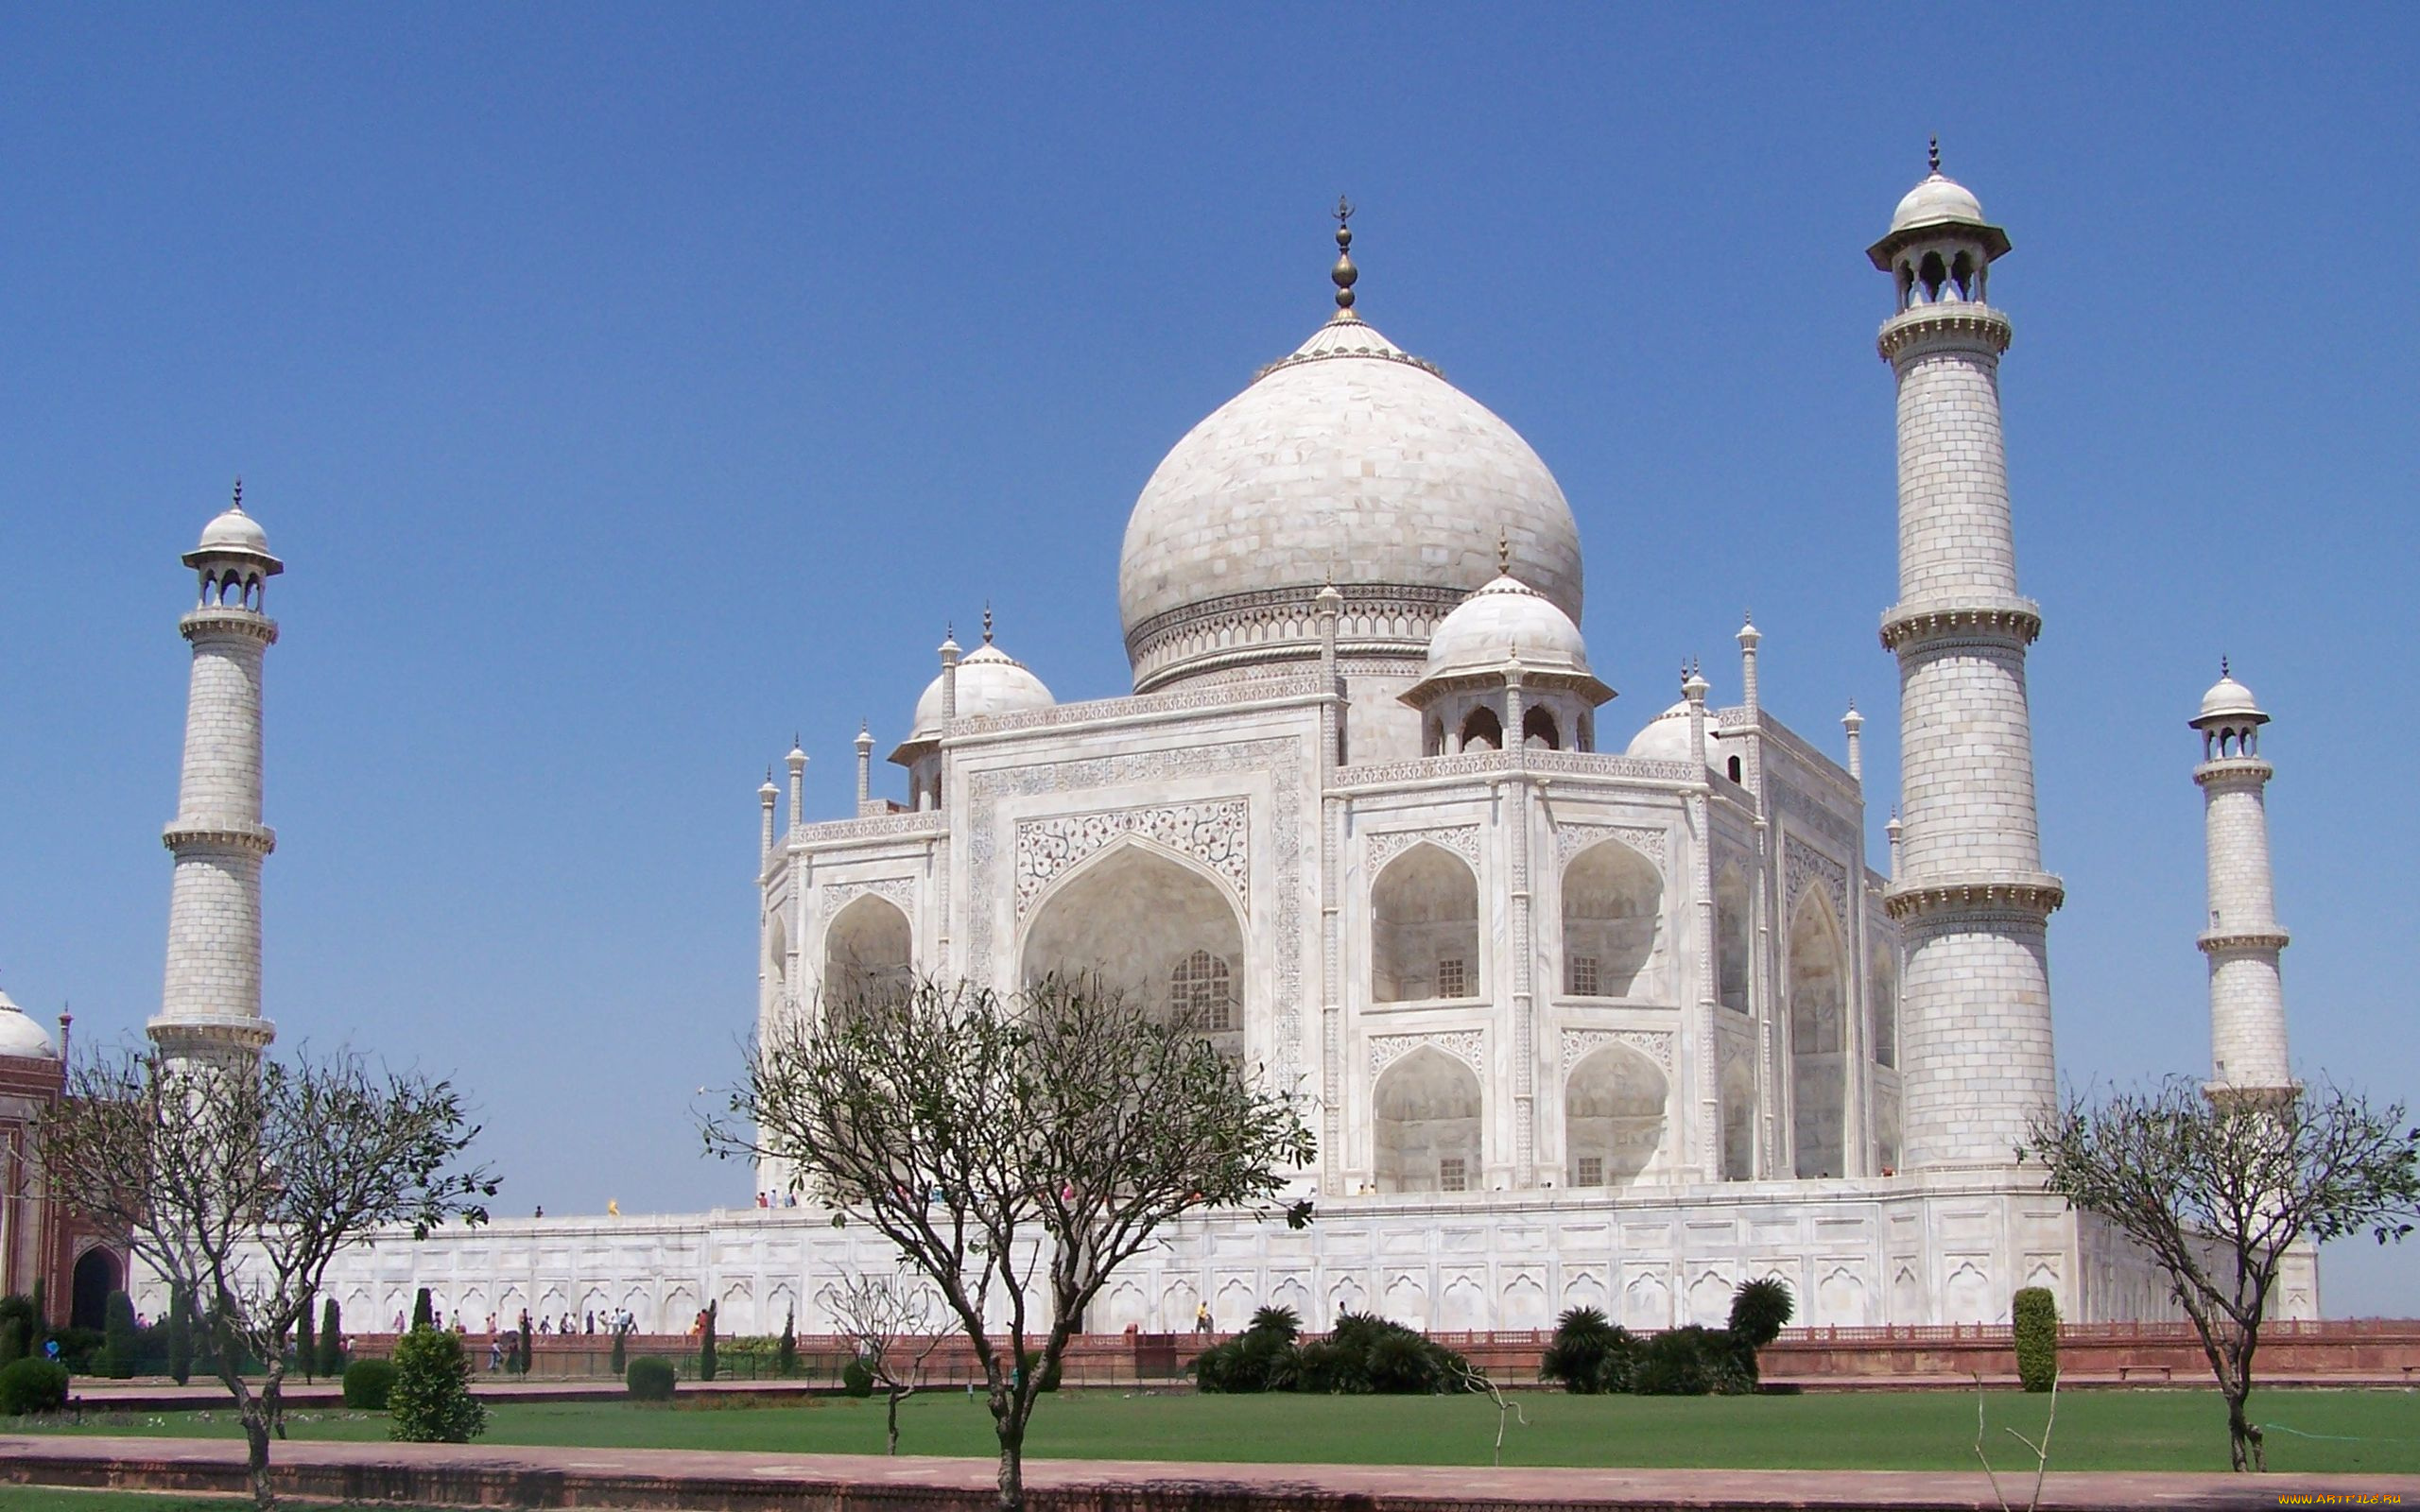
[1759,1310]
[1590,1353]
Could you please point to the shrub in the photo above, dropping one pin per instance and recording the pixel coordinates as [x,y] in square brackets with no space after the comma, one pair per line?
[706,1344]
[367,1384]
[424,1314]
[430,1399]
[77,1347]
[785,1355]
[1759,1310]
[331,1339]
[621,1348]
[1589,1353]
[180,1338]
[652,1378]
[857,1378]
[32,1385]
[1693,1362]
[306,1345]
[2036,1313]
[117,1336]
[16,1328]
[1282,1323]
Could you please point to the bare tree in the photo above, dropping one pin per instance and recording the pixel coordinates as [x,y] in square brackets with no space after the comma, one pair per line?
[1015,1145]
[237,1185]
[895,1325]
[2220,1187]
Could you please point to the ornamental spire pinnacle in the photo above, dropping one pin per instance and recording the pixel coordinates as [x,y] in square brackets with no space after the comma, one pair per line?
[1345,274]
[238,502]
[1932,155]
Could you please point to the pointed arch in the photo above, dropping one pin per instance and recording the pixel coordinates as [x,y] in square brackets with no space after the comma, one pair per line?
[1818,1018]
[1613,905]
[1613,1117]
[1425,1111]
[1151,922]
[1482,730]
[868,953]
[1423,927]
[1732,905]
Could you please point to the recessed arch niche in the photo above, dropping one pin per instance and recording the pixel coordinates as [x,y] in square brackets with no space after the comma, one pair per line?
[1423,927]
[1731,907]
[1427,1108]
[1611,899]
[1818,1020]
[1149,925]
[1613,1117]
[868,953]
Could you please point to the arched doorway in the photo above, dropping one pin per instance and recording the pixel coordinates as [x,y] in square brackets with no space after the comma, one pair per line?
[1818,1071]
[1611,896]
[97,1274]
[1151,925]
[1426,1125]
[1613,1117]
[1424,928]
[868,953]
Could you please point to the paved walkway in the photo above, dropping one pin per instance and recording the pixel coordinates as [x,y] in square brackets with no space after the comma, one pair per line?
[442,1475]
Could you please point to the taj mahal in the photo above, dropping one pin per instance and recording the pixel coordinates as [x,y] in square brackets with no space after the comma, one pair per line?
[1585,1008]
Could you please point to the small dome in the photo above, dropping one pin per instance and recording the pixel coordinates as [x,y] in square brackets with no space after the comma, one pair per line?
[235,531]
[2231,701]
[20,1036]
[1666,738]
[990,681]
[1936,201]
[1501,620]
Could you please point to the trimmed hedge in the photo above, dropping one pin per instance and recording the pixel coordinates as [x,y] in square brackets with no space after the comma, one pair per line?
[2034,1314]
[651,1379]
[31,1385]
[430,1402]
[367,1384]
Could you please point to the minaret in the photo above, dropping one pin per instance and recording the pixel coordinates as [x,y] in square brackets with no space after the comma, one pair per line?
[210,1009]
[1973,901]
[2247,998]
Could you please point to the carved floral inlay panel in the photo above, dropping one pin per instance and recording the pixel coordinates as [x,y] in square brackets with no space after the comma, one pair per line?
[1656,1044]
[834,895]
[1462,839]
[1571,839]
[1803,864]
[1469,1046]
[1217,833]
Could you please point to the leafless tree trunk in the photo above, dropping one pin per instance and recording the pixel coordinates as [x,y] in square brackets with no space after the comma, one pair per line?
[237,1185]
[2220,1187]
[1015,1151]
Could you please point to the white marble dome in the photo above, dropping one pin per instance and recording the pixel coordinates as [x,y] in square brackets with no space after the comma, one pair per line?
[1353,461]
[1666,738]
[1504,619]
[990,681]
[1936,201]
[235,530]
[2230,699]
[20,1034]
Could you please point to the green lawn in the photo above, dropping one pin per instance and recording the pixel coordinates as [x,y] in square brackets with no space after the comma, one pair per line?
[2373,1432]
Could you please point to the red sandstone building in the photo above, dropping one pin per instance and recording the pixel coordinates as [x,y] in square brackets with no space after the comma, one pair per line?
[37,1241]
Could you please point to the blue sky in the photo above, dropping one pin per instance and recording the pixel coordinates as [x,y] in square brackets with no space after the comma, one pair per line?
[629,387]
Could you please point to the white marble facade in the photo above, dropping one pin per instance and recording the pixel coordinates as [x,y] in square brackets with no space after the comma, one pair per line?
[1575,1023]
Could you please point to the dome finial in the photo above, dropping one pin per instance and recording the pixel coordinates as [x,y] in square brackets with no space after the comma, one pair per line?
[2222,666]
[238,504]
[987,621]
[1344,273]
[1932,156]
[1503,552]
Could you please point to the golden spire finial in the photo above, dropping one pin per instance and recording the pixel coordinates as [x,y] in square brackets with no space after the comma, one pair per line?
[1344,273]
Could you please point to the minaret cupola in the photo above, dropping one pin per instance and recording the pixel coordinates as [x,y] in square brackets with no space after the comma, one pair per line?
[1940,248]
[233,560]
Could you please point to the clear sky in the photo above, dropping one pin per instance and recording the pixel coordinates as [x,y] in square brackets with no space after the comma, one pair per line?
[629,387]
